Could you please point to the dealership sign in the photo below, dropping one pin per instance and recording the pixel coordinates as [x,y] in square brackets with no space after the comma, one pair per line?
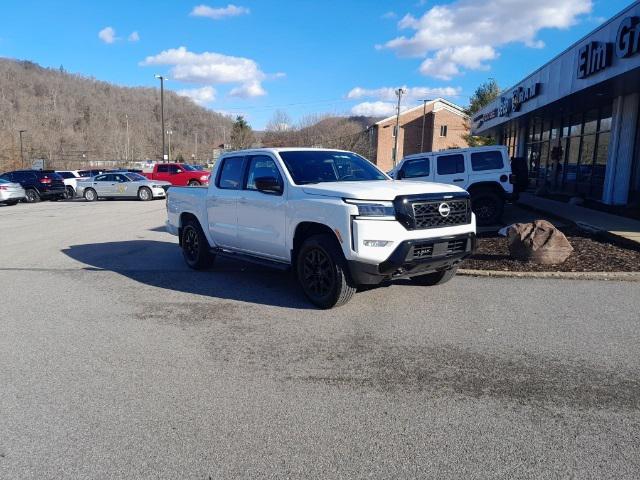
[597,56]
[511,103]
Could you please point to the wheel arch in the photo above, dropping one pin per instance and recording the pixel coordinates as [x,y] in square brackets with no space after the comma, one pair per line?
[491,186]
[184,218]
[305,230]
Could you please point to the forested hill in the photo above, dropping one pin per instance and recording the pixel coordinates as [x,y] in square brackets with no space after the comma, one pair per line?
[69,117]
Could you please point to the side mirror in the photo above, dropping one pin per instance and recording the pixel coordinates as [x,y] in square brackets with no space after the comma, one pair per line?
[268,185]
[400,174]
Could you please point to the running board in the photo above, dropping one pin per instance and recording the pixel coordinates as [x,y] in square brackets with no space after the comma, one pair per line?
[251,259]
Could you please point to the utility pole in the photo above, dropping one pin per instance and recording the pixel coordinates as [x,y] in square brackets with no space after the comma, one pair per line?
[21,150]
[424,116]
[169,133]
[399,93]
[196,149]
[126,154]
[161,78]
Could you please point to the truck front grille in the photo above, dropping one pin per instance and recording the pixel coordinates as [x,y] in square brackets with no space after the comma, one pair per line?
[440,213]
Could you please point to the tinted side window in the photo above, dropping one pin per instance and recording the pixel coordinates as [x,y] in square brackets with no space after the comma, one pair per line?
[163,168]
[231,173]
[101,178]
[450,164]
[262,166]
[491,160]
[6,176]
[174,169]
[416,168]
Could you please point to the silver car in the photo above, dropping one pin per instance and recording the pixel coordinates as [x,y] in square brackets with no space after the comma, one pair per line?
[121,185]
[10,193]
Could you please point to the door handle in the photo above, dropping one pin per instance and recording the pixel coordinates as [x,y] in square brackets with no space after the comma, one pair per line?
[242,200]
[458,179]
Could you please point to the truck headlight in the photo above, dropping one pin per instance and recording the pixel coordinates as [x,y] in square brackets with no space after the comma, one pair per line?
[369,208]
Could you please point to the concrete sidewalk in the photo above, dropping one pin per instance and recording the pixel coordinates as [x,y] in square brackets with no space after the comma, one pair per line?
[623,227]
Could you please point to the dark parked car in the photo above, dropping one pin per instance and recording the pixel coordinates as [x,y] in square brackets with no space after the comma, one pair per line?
[38,184]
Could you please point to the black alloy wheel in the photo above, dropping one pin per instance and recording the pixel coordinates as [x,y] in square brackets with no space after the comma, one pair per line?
[323,273]
[488,207]
[318,276]
[195,247]
[31,196]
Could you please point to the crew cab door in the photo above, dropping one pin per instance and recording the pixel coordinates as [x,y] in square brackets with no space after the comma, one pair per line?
[261,214]
[450,168]
[222,202]
[161,172]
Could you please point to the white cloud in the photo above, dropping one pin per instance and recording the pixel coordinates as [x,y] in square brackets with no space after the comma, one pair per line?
[220,12]
[388,94]
[202,96]
[107,35]
[209,68]
[376,109]
[389,16]
[466,33]
[134,37]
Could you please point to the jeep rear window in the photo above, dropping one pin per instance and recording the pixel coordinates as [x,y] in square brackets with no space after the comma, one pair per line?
[489,160]
[322,166]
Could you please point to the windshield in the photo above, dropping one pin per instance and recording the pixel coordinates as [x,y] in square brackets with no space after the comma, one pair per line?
[135,177]
[311,166]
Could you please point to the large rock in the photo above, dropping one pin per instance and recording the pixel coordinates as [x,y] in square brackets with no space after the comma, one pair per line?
[538,242]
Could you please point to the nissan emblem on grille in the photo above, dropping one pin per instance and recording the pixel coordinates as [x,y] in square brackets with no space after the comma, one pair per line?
[444,209]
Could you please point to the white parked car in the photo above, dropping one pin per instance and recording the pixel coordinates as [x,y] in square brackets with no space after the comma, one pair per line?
[71,178]
[10,193]
[485,172]
[331,215]
[121,185]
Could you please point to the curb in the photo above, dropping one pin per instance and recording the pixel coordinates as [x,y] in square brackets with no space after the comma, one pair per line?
[604,276]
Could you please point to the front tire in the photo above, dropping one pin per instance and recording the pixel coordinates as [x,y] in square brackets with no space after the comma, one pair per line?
[435,278]
[488,207]
[194,183]
[195,247]
[322,272]
[90,195]
[144,194]
[31,196]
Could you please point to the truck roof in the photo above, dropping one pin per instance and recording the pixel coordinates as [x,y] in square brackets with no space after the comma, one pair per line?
[285,149]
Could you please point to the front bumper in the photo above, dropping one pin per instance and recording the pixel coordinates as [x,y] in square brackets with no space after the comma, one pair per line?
[158,192]
[415,257]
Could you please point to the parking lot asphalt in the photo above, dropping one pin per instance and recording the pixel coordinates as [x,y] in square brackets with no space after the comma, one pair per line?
[116,361]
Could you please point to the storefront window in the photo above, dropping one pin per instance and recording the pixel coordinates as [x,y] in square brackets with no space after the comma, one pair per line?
[591,122]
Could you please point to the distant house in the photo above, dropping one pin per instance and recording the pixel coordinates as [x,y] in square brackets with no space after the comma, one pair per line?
[445,125]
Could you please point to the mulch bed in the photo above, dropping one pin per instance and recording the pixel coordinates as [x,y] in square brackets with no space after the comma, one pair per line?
[591,253]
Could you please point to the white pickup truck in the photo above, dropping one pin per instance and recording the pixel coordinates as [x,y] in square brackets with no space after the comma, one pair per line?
[332,216]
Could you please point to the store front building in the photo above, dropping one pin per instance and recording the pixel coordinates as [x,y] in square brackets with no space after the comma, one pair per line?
[575,119]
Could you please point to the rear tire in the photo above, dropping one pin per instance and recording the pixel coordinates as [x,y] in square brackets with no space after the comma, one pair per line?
[31,196]
[488,207]
[90,195]
[435,278]
[70,193]
[144,194]
[195,247]
[322,272]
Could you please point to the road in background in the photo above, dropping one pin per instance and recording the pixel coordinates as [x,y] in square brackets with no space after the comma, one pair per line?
[116,361]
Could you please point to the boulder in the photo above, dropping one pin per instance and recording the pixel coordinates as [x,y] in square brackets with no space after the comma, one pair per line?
[538,242]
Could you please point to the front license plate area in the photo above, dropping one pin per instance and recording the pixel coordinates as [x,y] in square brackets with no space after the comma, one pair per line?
[440,249]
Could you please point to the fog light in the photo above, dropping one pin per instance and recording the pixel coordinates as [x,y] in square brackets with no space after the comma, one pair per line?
[376,243]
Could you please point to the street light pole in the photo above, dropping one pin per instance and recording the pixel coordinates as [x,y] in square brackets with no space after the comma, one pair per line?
[424,116]
[399,93]
[21,150]
[161,78]
[169,133]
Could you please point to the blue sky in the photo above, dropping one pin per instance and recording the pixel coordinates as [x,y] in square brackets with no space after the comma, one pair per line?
[253,57]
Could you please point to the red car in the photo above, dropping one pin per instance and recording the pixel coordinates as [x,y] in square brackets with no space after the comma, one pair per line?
[181,174]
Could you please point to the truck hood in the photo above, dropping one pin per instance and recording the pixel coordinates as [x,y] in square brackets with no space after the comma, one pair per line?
[378,189]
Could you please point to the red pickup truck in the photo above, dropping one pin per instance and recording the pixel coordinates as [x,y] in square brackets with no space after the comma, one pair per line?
[180,174]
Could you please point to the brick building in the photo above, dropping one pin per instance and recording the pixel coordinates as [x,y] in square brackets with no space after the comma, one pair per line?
[444,127]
